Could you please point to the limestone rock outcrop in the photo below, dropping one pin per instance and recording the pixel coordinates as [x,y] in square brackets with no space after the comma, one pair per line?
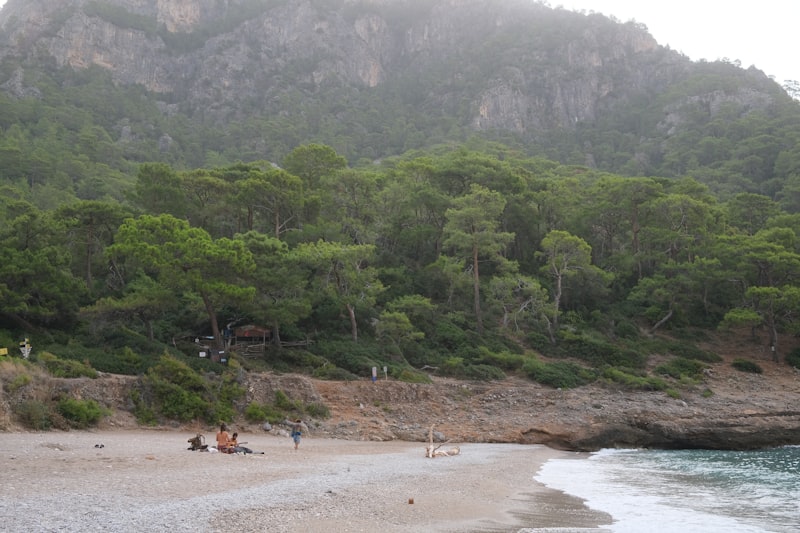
[516,66]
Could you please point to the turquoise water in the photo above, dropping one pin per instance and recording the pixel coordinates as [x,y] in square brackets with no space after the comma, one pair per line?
[686,490]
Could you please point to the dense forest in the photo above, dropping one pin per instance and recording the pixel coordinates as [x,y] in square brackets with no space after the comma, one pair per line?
[465,260]
[132,231]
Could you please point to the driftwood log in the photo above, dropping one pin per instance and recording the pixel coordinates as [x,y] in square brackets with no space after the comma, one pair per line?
[432,451]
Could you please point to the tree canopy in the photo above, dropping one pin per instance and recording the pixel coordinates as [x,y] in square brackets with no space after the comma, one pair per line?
[423,260]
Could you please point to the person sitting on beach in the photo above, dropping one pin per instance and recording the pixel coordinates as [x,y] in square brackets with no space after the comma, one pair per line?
[234,447]
[223,438]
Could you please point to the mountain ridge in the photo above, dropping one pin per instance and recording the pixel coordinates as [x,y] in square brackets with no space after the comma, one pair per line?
[216,82]
[539,68]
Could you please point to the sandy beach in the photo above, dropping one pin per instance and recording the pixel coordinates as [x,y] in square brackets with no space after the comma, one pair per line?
[147,480]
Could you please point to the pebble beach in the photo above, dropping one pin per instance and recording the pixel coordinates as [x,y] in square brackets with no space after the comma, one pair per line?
[147,480]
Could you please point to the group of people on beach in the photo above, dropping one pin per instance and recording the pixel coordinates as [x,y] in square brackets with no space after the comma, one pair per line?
[227,443]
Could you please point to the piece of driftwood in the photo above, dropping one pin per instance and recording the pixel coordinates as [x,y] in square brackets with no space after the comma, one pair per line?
[432,451]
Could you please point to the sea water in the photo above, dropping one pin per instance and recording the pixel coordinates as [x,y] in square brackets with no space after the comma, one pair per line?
[686,490]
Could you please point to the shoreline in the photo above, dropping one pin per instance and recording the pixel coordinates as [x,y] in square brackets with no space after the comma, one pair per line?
[147,479]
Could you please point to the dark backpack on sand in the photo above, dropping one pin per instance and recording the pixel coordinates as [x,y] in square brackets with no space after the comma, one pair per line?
[197,443]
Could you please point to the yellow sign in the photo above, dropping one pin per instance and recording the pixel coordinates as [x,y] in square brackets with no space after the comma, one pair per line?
[3,351]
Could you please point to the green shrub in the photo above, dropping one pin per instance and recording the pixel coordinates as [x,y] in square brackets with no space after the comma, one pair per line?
[601,353]
[456,367]
[175,391]
[743,365]
[499,343]
[630,381]
[130,362]
[449,336]
[81,413]
[559,374]
[630,358]
[539,342]
[120,351]
[318,410]
[221,411]
[452,366]
[19,381]
[672,393]
[256,413]
[144,414]
[177,403]
[625,329]
[503,360]
[483,373]
[65,368]
[172,389]
[416,353]
[793,358]
[229,390]
[681,367]
[407,375]
[468,352]
[333,373]
[283,402]
[298,360]
[691,351]
[357,358]
[34,414]
[178,373]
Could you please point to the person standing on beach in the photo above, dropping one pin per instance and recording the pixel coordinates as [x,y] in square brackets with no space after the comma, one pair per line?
[297,432]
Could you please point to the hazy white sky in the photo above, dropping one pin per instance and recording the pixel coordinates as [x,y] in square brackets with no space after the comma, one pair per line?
[760,33]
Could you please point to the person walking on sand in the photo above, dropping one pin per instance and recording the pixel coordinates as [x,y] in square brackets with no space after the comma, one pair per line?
[297,432]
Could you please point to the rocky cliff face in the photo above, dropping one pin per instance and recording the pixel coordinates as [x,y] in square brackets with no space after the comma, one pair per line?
[404,68]
[213,54]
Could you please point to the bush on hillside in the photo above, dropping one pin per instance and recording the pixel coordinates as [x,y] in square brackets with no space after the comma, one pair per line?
[600,353]
[65,368]
[632,381]
[333,373]
[81,414]
[793,358]
[743,365]
[34,414]
[558,374]
[680,367]
[503,360]
[691,351]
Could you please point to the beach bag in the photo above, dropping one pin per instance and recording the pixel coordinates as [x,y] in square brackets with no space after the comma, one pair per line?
[197,443]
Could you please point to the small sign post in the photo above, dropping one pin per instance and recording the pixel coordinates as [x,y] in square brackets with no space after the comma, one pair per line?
[374,374]
[25,347]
